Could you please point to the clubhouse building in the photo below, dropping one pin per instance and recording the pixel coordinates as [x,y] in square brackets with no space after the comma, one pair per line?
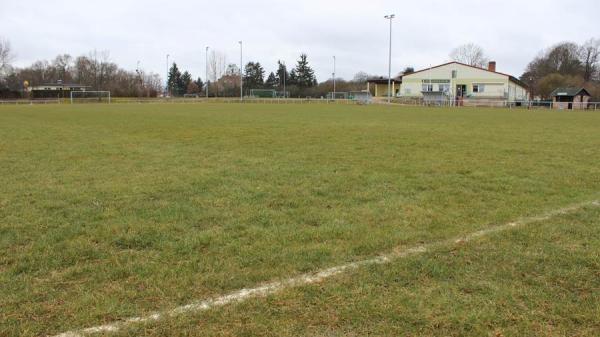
[456,81]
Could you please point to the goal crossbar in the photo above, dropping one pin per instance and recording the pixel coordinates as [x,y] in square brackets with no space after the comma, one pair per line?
[99,94]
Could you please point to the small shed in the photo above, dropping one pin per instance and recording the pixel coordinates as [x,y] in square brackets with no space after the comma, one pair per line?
[570,98]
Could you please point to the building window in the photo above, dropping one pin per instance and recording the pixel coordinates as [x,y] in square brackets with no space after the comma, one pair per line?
[454,73]
[444,87]
[427,87]
[478,88]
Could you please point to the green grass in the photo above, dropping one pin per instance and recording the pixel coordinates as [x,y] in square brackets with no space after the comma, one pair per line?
[114,211]
[540,280]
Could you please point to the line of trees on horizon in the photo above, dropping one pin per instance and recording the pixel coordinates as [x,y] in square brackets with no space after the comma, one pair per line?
[95,70]
[224,79]
[566,64]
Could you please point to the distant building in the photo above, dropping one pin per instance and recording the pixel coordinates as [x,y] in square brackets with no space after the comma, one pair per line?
[456,81]
[378,86]
[460,81]
[570,98]
[54,90]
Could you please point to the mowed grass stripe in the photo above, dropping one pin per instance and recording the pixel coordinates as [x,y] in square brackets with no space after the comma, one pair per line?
[314,277]
[124,210]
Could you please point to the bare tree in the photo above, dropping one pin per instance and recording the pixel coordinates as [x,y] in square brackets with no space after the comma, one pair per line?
[360,77]
[217,64]
[62,64]
[589,55]
[6,57]
[470,54]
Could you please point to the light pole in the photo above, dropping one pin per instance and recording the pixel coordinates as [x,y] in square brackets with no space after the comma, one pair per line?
[284,72]
[333,76]
[206,72]
[139,74]
[167,86]
[390,17]
[241,76]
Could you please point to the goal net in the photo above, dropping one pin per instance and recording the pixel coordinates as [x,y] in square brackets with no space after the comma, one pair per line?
[263,93]
[337,95]
[90,97]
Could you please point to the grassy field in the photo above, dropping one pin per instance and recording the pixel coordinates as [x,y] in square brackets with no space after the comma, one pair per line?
[113,211]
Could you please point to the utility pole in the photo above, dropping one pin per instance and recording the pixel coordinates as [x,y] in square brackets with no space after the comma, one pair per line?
[241,73]
[167,86]
[206,72]
[333,76]
[390,17]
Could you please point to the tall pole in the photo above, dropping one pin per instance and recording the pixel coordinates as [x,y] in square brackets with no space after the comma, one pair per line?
[206,72]
[167,86]
[333,76]
[284,72]
[390,17]
[139,75]
[241,74]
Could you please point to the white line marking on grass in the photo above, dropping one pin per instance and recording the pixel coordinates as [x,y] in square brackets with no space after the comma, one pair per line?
[314,277]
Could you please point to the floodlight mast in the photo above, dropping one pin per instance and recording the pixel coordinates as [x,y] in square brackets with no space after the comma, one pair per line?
[284,72]
[390,17]
[167,83]
[206,72]
[333,76]
[241,76]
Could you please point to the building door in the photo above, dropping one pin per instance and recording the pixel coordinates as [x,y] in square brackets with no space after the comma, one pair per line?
[570,106]
[461,91]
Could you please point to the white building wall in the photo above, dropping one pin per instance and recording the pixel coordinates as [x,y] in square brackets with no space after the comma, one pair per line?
[495,85]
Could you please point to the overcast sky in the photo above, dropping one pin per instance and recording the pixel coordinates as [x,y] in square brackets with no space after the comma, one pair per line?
[511,32]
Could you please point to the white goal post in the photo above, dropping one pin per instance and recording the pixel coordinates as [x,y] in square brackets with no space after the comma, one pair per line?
[90,96]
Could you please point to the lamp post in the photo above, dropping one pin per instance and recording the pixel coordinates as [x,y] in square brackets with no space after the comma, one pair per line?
[167,86]
[334,77]
[390,17]
[139,75]
[284,72]
[206,72]
[241,73]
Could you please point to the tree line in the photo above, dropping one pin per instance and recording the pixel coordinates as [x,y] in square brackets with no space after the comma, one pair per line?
[566,64]
[224,79]
[94,70]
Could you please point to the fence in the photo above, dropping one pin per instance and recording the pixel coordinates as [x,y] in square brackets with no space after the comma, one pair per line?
[29,102]
[548,105]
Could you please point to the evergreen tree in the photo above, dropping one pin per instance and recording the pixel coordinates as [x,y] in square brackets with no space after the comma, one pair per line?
[174,80]
[199,83]
[254,75]
[186,79]
[272,81]
[282,74]
[305,75]
[293,78]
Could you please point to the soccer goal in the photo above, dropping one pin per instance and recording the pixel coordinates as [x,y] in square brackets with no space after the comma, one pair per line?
[90,97]
[190,96]
[263,93]
[337,95]
[282,94]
